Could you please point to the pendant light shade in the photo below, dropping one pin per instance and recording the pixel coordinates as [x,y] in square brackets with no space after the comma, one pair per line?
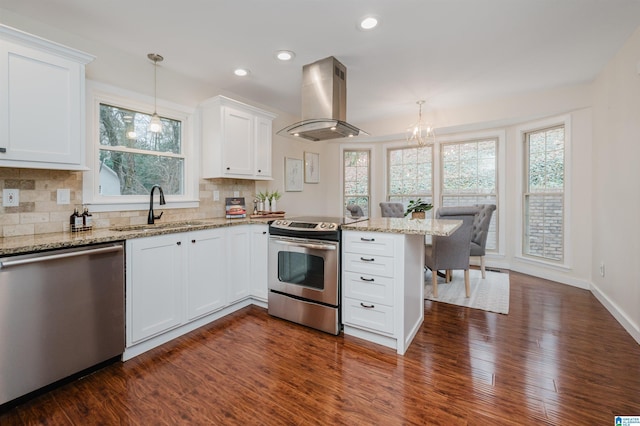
[420,133]
[156,125]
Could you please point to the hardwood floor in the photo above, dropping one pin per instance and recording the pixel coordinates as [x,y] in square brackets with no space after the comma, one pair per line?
[558,358]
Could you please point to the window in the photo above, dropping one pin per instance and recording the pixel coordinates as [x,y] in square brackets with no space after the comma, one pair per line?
[544,194]
[133,159]
[469,176]
[357,179]
[410,174]
[126,159]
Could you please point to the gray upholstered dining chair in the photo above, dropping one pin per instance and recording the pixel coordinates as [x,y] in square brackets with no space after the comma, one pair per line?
[480,232]
[452,252]
[390,209]
[355,210]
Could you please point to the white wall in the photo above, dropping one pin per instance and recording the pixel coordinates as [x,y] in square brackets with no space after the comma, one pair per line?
[616,186]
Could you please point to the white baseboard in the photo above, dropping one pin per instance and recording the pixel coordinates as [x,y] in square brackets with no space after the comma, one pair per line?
[632,328]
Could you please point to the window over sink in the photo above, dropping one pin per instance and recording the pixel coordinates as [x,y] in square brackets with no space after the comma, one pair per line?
[127,159]
[133,158]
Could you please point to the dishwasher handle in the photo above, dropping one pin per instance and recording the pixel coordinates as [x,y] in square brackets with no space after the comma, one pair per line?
[45,258]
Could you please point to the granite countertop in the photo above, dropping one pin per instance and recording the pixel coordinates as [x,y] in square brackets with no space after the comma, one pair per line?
[57,240]
[439,227]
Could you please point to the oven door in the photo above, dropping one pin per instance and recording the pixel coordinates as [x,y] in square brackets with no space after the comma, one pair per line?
[305,268]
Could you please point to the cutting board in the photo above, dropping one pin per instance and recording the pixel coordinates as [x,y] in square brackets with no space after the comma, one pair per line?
[267,215]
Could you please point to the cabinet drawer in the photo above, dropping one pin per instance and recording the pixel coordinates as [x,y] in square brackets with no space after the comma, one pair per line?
[369,243]
[368,264]
[372,316]
[372,288]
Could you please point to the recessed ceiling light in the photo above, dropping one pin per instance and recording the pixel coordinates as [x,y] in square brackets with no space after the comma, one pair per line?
[368,23]
[241,72]
[285,55]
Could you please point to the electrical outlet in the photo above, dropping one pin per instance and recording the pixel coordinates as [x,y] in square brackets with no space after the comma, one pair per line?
[236,193]
[64,196]
[10,197]
[216,195]
[602,269]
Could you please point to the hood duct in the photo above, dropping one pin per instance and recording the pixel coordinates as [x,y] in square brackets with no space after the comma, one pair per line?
[324,103]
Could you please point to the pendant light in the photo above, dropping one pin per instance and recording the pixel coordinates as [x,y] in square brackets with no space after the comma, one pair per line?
[420,133]
[155,126]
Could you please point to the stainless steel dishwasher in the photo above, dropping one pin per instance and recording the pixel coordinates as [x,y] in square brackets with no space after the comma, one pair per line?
[61,312]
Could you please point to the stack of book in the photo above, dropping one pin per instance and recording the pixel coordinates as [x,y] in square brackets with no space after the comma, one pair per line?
[235,208]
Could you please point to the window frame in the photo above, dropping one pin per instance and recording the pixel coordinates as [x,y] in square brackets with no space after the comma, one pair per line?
[522,131]
[97,94]
[352,148]
[469,139]
[399,145]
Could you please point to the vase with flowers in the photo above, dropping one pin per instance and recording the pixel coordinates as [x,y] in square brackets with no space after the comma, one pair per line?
[273,197]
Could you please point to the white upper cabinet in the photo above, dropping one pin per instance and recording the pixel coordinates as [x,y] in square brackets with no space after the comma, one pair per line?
[42,103]
[236,140]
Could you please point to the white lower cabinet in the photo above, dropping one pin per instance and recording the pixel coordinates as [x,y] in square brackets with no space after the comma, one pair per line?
[382,287]
[179,282]
[368,282]
[239,262]
[259,261]
[154,286]
[206,288]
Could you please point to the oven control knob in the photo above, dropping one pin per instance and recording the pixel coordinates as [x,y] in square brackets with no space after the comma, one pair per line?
[323,225]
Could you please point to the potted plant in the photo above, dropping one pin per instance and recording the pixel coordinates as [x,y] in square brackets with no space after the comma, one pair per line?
[273,197]
[417,208]
[262,197]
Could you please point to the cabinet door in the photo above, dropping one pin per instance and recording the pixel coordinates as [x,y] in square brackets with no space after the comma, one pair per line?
[237,148]
[263,147]
[206,272]
[259,261]
[239,262]
[42,108]
[154,287]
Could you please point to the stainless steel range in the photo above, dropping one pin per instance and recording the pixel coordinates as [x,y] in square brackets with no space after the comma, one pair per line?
[304,271]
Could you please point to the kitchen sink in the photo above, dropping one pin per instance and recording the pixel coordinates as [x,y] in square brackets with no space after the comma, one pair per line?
[148,227]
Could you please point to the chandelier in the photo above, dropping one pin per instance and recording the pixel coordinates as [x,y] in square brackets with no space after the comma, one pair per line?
[421,133]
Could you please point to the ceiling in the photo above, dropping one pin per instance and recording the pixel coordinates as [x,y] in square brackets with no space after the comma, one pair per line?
[448,52]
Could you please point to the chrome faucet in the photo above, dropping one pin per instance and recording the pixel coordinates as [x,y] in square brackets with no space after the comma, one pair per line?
[151,219]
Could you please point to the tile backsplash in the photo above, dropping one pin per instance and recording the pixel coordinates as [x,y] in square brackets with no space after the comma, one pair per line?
[39,213]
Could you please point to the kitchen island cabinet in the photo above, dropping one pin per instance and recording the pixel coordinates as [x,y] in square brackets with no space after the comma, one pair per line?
[383,278]
[383,287]
[44,84]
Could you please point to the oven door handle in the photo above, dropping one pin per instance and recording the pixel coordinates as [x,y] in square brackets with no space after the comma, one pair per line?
[306,245]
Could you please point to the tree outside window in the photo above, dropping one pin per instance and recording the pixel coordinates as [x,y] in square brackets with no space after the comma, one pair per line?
[544,194]
[410,174]
[133,159]
[469,177]
[357,179]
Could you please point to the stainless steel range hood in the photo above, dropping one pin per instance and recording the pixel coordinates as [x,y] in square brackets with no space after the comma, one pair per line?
[324,103]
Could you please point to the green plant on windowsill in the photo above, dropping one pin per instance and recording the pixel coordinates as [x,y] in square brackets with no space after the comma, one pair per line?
[417,208]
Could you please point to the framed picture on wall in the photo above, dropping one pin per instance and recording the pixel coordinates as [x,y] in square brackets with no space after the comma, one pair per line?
[293,171]
[311,167]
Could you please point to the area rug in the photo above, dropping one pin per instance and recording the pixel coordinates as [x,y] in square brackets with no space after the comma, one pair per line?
[490,294]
